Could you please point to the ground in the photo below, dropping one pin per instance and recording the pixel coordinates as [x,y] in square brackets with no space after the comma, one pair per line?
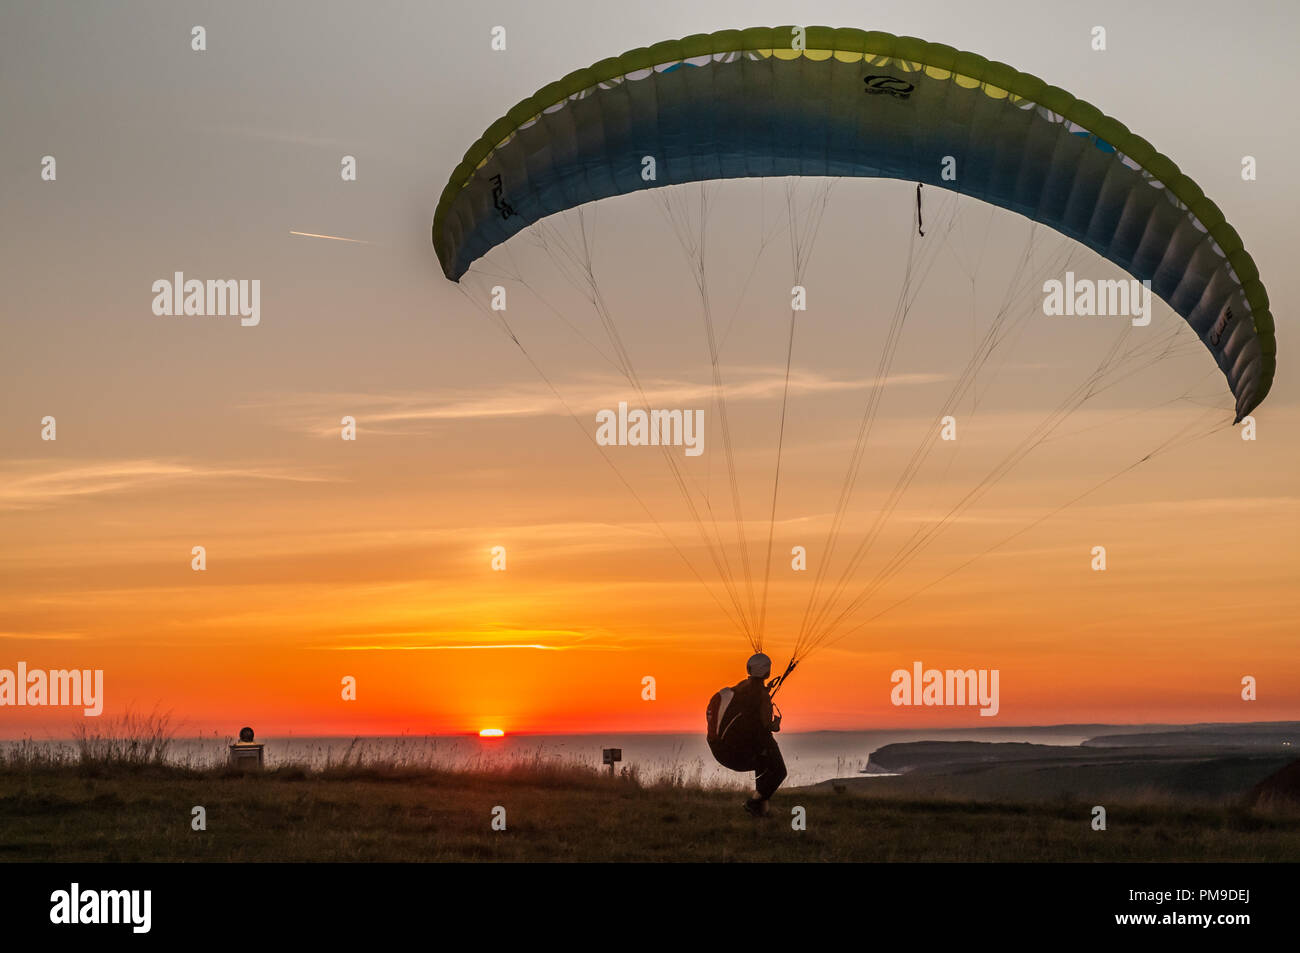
[144,813]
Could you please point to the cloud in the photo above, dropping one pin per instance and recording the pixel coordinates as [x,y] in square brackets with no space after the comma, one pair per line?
[46,483]
[273,135]
[546,640]
[43,636]
[303,412]
[434,648]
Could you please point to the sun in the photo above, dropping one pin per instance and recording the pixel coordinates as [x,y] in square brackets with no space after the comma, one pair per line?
[491,733]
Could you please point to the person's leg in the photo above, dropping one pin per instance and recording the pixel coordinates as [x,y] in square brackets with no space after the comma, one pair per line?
[770,771]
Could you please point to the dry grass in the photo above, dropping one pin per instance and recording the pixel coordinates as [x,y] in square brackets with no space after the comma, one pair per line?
[558,814]
[131,741]
[115,796]
[138,745]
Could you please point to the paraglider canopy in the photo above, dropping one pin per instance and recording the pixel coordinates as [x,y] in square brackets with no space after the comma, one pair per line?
[818,101]
[821,105]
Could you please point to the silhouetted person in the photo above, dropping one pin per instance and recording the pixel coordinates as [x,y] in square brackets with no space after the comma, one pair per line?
[741,723]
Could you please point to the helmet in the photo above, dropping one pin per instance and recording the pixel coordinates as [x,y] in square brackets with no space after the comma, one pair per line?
[759,666]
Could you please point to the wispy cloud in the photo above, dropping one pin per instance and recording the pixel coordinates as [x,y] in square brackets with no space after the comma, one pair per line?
[403,411]
[544,640]
[42,636]
[438,648]
[45,483]
[273,135]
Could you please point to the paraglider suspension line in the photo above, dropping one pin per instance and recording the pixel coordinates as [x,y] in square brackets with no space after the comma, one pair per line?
[775,684]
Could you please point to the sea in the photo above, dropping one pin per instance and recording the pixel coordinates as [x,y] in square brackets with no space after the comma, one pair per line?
[810,757]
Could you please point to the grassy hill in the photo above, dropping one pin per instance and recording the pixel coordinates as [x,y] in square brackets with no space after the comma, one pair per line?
[565,813]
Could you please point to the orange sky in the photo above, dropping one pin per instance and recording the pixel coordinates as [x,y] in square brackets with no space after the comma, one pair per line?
[371,558]
[378,570]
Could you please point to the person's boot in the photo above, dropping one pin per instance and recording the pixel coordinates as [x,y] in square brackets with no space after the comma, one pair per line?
[756,807]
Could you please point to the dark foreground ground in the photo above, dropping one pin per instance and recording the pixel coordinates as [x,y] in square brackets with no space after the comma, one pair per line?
[80,813]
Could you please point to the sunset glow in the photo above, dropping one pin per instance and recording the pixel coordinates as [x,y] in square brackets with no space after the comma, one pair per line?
[372,512]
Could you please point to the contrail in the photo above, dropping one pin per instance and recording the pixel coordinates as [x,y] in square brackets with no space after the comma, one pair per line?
[336,238]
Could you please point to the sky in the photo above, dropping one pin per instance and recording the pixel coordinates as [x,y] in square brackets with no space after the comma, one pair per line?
[371,558]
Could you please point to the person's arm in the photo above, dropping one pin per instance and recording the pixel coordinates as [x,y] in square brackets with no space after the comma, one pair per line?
[771,721]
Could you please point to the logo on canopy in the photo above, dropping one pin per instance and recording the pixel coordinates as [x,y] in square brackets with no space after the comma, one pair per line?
[498,198]
[888,86]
